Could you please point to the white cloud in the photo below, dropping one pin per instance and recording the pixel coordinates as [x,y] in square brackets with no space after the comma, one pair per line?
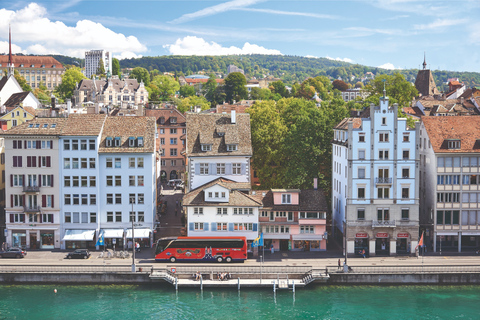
[312,57]
[439,23]
[32,28]
[127,55]
[15,48]
[192,45]
[388,66]
[219,8]
[340,59]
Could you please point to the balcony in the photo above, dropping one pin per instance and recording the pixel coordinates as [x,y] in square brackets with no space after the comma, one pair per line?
[383,224]
[31,189]
[383,180]
[31,209]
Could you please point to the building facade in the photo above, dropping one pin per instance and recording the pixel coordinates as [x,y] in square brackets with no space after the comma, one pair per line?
[379,202]
[449,183]
[92,60]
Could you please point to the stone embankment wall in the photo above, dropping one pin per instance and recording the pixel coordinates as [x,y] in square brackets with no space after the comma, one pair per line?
[395,279]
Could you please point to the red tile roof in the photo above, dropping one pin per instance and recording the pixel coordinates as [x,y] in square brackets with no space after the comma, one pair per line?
[28,61]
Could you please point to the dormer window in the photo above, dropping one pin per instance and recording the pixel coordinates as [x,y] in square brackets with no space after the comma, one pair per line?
[286,198]
[131,141]
[32,66]
[173,120]
[206,147]
[221,134]
[37,125]
[21,66]
[109,142]
[30,125]
[54,66]
[117,141]
[45,125]
[43,66]
[140,141]
[53,126]
[453,144]
[162,120]
[232,147]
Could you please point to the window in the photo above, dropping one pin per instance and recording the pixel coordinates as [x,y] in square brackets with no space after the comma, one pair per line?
[206,147]
[68,217]
[383,137]
[140,181]
[361,214]
[204,168]
[361,137]
[109,181]
[221,211]
[141,216]
[361,193]
[162,130]
[361,173]
[66,144]
[66,181]
[242,226]
[131,181]
[84,199]
[109,198]
[109,216]
[93,181]
[198,226]
[220,168]
[118,163]
[173,140]
[307,229]
[140,162]
[286,198]
[453,144]
[17,161]
[383,154]
[109,162]
[92,163]
[197,210]
[383,214]
[83,144]
[236,168]
[117,141]
[118,216]
[75,144]
[448,217]
[75,181]
[83,163]
[84,181]
[406,137]
[405,214]
[173,152]
[162,140]
[67,199]
[406,154]
[91,144]
[232,147]
[118,198]
[141,198]
[361,154]
[93,217]
[173,163]
[93,199]
[384,121]
[131,162]
[76,199]
[173,131]
[383,193]
[118,181]
[405,192]
[109,142]
[221,226]
[132,198]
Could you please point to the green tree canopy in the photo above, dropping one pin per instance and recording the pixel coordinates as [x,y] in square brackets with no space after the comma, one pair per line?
[235,88]
[184,105]
[187,91]
[167,86]
[70,78]
[101,68]
[21,81]
[115,67]
[340,85]
[279,88]
[141,74]
[397,88]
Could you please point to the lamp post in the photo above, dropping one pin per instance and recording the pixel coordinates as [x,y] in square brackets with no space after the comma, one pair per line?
[132,216]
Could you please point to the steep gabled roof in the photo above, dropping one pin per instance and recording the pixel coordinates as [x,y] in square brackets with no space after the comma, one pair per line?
[166,113]
[343,125]
[309,200]
[15,99]
[84,124]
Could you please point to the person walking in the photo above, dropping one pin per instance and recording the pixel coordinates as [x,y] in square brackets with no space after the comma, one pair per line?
[363,253]
[339,264]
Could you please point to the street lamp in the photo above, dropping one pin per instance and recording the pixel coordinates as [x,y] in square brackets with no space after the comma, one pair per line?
[132,216]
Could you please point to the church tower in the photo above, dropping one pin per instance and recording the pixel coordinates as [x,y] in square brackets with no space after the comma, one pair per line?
[10,66]
[424,82]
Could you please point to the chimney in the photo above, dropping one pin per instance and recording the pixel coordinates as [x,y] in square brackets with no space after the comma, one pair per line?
[315,183]
[69,106]
[233,116]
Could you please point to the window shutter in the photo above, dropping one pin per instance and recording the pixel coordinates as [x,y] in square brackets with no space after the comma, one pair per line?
[24,143]
[15,163]
[197,168]
[244,168]
[23,200]
[48,161]
[23,178]
[190,226]
[11,205]
[205,226]
[19,161]
[40,218]
[51,144]
[44,201]
[11,217]
[214,226]
[39,180]
[29,161]
[22,217]
[51,217]
[34,161]
[255,227]
[38,144]
[228,168]
[14,144]
[213,169]
[51,181]
[11,180]
[53,203]
[230,227]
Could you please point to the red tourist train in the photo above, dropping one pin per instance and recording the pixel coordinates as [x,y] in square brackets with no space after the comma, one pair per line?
[201,249]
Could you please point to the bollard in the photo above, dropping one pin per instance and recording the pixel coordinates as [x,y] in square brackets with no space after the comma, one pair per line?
[176,284]
[293,282]
[201,283]
[274,286]
[239,284]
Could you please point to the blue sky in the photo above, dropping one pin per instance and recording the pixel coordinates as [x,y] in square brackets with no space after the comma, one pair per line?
[385,33]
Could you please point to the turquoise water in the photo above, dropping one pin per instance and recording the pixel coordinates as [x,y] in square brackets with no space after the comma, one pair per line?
[161,302]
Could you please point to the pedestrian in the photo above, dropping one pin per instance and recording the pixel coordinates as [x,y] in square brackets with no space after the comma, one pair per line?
[339,264]
[176,203]
[363,253]
[272,250]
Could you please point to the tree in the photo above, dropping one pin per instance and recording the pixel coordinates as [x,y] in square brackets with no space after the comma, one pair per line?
[209,89]
[235,88]
[186,104]
[70,78]
[41,94]
[397,89]
[187,91]
[115,67]
[167,86]
[141,74]
[100,68]
[340,85]
[279,87]
[21,81]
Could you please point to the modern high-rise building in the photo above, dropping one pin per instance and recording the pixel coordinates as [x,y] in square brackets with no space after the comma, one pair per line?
[92,59]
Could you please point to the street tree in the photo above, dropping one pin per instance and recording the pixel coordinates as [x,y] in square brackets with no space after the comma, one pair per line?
[235,88]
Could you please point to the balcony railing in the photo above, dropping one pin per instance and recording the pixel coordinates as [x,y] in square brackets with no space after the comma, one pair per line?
[383,223]
[31,209]
[31,189]
[383,180]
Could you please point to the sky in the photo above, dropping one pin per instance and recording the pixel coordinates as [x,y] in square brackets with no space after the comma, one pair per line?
[392,34]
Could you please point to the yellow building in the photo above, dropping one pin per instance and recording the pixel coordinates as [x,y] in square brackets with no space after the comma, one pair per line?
[18,115]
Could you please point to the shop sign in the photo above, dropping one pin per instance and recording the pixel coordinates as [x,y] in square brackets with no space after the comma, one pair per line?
[382,235]
[361,235]
[403,235]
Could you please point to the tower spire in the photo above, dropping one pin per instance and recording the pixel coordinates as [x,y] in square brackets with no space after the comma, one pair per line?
[424,61]
[10,65]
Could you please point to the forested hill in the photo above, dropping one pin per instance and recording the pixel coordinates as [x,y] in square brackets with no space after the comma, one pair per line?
[288,68]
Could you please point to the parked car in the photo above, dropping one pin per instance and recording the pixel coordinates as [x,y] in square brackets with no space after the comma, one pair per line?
[174,182]
[14,253]
[78,254]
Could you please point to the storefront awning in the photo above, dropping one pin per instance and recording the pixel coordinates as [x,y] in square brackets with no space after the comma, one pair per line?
[112,233]
[139,233]
[78,235]
[305,236]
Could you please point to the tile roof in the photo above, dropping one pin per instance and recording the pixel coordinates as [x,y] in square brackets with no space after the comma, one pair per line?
[84,124]
[15,99]
[464,128]
[28,61]
[30,128]
[218,130]
[413,111]
[343,125]
[196,197]
[126,127]
[166,113]
[101,85]
[425,83]
[309,200]
[3,81]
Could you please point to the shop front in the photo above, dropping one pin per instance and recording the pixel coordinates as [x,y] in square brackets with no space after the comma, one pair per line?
[361,243]
[79,239]
[403,246]
[470,241]
[382,244]
[113,238]
[47,239]
[304,242]
[142,236]
[19,238]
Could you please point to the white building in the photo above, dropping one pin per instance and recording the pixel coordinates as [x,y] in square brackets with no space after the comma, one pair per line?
[218,145]
[222,208]
[92,59]
[352,94]
[375,192]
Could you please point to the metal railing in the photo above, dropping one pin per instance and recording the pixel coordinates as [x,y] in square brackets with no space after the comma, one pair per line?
[241,269]
[71,269]
[31,209]
[383,223]
[429,269]
[31,189]
[383,180]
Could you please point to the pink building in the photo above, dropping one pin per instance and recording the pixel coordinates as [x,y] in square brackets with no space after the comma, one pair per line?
[293,219]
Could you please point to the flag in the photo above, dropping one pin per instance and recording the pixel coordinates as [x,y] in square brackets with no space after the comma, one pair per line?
[258,242]
[420,243]
[100,241]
